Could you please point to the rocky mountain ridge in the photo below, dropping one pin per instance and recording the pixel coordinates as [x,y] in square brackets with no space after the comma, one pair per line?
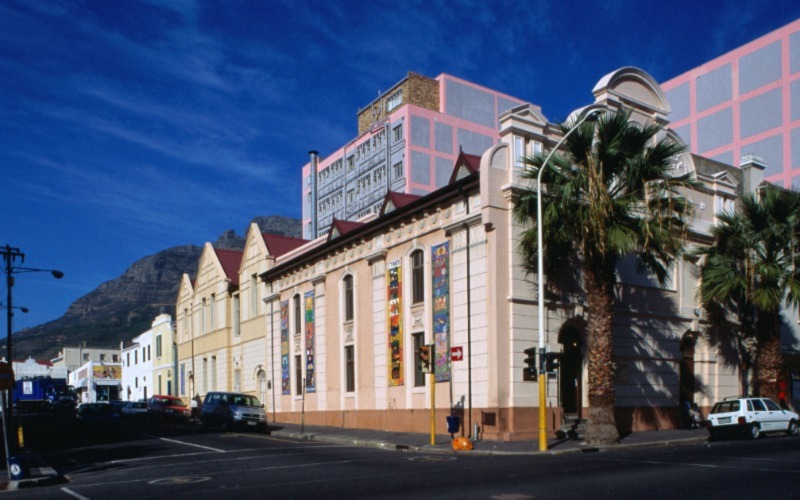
[120,309]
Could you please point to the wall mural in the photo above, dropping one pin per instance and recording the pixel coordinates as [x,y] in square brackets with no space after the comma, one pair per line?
[311,380]
[285,383]
[441,311]
[394,301]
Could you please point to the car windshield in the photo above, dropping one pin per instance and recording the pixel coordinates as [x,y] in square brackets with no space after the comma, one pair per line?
[243,400]
[171,402]
[726,407]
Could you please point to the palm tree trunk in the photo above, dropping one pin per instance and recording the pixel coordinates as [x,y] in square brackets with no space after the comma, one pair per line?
[602,428]
[769,361]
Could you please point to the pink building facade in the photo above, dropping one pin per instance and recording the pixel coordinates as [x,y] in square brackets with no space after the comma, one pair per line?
[406,144]
[746,102]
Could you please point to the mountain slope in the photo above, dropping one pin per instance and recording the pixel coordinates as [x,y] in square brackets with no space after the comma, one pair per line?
[120,309]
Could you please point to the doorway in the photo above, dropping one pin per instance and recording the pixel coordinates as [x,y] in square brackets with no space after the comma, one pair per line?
[571,376]
[687,376]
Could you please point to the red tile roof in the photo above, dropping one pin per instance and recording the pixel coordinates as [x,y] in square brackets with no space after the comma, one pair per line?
[278,245]
[471,162]
[230,260]
[340,227]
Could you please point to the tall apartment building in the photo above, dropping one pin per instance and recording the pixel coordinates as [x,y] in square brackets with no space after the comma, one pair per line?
[746,102]
[408,139]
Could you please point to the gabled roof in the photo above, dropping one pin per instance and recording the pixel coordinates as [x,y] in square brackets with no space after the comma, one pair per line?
[278,245]
[340,227]
[465,166]
[395,200]
[230,261]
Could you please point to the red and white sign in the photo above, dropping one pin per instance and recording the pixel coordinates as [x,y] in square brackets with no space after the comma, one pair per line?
[456,353]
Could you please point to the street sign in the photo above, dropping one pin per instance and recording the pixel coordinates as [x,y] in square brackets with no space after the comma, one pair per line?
[456,353]
[6,377]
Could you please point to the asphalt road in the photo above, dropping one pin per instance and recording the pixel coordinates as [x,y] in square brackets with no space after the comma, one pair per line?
[171,461]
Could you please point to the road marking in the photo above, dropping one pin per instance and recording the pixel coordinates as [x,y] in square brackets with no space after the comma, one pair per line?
[185,443]
[689,464]
[192,444]
[70,492]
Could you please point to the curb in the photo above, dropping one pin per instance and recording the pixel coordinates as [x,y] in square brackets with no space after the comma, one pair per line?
[40,476]
[367,443]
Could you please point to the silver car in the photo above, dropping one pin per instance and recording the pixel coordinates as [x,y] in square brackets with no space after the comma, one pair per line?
[232,409]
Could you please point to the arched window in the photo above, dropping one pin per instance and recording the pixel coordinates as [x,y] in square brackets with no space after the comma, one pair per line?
[348,298]
[417,277]
[298,314]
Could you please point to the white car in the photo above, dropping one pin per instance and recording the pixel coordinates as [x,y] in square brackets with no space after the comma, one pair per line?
[750,416]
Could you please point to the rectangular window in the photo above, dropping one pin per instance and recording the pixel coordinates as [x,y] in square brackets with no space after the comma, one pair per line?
[350,368]
[203,317]
[298,375]
[213,373]
[397,132]
[135,357]
[204,378]
[394,100]
[348,298]
[237,380]
[159,385]
[158,347]
[254,296]
[115,358]
[212,312]
[102,357]
[417,277]
[419,375]
[519,151]
[397,170]
[236,316]
[149,354]
[129,359]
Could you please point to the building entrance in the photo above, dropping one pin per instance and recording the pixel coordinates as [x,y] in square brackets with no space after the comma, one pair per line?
[571,385]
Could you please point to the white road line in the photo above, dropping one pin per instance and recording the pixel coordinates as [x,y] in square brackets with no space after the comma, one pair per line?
[72,493]
[192,444]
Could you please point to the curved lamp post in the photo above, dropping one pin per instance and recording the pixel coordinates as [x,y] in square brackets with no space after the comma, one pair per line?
[10,257]
[587,113]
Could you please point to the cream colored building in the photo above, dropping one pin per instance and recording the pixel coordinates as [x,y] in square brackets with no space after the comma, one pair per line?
[329,330]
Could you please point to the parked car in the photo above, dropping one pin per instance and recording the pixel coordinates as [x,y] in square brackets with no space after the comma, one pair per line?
[227,410]
[117,405]
[751,417]
[134,409]
[97,416]
[171,408]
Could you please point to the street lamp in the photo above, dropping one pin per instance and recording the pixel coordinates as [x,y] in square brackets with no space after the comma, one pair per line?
[10,257]
[586,114]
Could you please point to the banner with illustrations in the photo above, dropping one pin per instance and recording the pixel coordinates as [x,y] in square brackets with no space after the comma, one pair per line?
[395,321]
[285,382]
[441,311]
[311,380]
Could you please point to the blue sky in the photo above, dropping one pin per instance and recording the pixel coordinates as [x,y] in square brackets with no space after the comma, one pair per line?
[128,127]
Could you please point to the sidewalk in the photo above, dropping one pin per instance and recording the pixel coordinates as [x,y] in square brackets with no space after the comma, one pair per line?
[421,442]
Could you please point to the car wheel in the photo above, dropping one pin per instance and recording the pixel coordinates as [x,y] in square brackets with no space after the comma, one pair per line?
[793,429]
[755,432]
[224,426]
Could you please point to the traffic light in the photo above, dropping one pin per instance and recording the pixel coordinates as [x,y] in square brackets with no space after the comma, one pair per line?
[425,355]
[553,359]
[530,359]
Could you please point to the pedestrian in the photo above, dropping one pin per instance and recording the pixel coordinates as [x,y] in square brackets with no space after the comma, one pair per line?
[194,404]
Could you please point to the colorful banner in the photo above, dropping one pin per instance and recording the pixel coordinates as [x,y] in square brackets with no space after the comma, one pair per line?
[311,381]
[395,317]
[107,372]
[285,382]
[441,311]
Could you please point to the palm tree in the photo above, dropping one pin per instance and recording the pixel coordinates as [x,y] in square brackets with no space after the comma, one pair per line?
[610,194]
[751,270]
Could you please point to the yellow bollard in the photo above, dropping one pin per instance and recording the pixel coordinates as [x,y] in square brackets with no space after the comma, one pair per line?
[20,438]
